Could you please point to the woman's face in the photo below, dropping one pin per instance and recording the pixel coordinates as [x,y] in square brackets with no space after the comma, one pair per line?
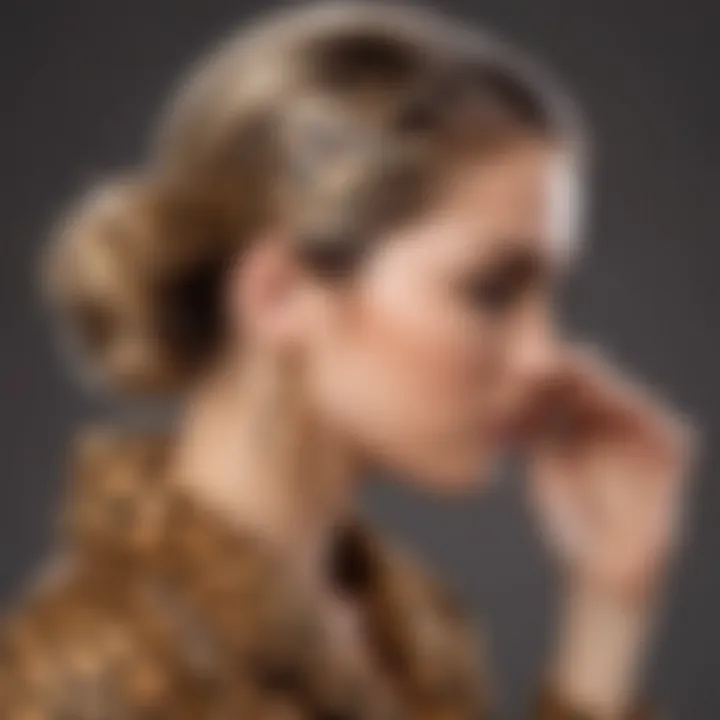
[426,359]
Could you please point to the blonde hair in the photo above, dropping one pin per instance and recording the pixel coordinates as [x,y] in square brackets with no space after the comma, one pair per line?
[332,120]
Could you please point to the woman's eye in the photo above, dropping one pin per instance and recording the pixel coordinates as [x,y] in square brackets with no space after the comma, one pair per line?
[498,289]
[495,295]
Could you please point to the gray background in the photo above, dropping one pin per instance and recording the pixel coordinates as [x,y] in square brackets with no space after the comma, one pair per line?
[82,81]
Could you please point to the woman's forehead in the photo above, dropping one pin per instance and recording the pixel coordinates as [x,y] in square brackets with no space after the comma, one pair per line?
[529,195]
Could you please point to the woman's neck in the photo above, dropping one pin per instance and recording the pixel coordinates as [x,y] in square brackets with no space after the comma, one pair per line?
[251,450]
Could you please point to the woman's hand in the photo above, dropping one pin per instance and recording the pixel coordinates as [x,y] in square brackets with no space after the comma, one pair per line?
[608,464]
[607,470]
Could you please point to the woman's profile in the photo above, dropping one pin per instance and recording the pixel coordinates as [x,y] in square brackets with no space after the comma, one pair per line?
[341,255]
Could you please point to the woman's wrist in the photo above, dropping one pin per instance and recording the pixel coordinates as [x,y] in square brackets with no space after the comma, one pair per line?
[601,643]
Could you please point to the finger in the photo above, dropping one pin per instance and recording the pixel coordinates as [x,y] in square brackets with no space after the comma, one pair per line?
[604,392]
[577,397]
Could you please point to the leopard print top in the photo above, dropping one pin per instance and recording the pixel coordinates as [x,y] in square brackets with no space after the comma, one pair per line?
[163,612]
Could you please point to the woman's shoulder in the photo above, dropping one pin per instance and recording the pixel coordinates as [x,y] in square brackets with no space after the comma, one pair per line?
[70,646]
[66,652]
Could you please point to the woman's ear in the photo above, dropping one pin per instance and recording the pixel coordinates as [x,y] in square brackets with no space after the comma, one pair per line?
[265,293]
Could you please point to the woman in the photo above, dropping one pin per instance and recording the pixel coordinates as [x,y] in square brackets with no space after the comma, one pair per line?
[342,255]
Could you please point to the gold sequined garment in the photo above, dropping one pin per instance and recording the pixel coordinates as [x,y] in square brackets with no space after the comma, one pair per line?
[163,612]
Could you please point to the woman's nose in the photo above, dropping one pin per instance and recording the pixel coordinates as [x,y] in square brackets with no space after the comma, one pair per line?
[538,353]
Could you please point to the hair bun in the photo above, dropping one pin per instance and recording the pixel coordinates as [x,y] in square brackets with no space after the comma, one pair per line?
[127,272]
